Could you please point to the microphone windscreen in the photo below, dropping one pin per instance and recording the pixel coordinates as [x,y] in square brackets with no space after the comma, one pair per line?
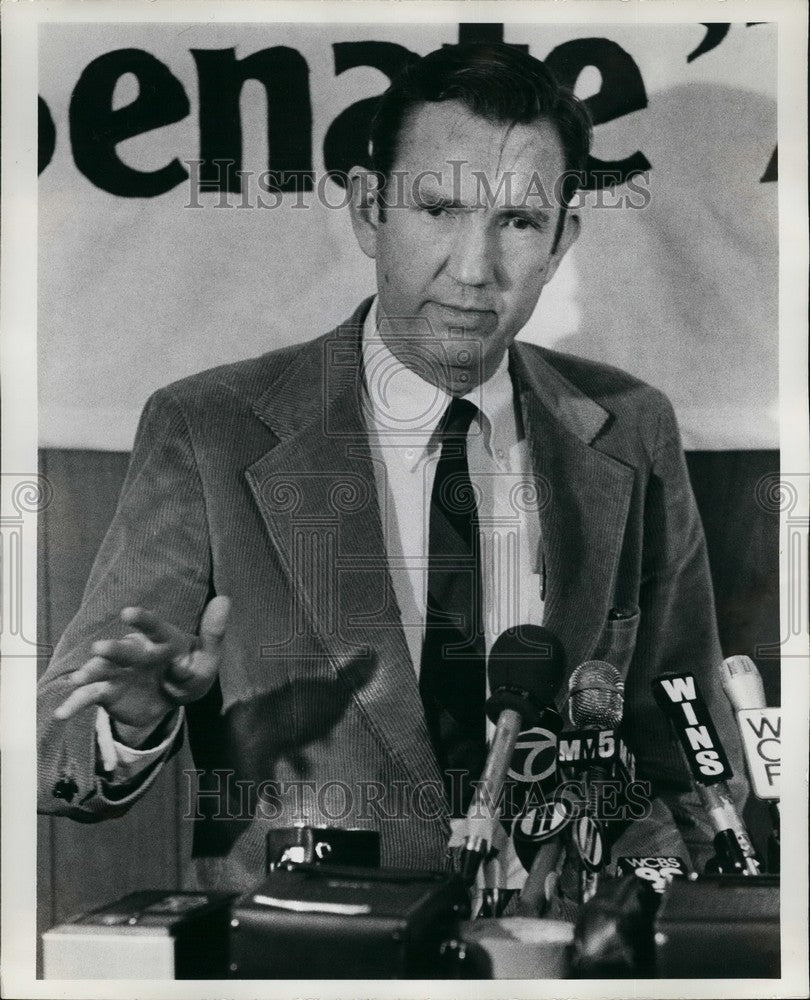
[596,695]
[742,683]
[525,658]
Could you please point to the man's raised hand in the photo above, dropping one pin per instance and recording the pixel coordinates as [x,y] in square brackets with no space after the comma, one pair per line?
[143,677]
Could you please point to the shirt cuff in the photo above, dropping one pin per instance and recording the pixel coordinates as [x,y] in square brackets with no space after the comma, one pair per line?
[126,762]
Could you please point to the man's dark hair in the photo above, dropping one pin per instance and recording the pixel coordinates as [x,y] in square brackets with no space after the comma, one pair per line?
[498,82]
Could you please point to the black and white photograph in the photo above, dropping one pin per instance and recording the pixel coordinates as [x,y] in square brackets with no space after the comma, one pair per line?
[405,522]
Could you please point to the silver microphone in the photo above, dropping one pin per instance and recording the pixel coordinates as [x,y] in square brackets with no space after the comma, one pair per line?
[596,696]
[595,702]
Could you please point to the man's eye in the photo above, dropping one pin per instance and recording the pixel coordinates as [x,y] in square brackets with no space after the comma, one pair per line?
[435,211]
[520,223]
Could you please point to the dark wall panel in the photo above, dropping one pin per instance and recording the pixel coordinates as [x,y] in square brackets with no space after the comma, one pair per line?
[81,865]
[742,535]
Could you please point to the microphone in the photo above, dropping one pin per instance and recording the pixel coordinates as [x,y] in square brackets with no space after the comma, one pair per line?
[597,753]
[680,700]
[541,882]
[590,759]
[540,838]
[525,667]
[658,870]
[529,812]
[761,734]
[594,749]
[596,696]
[759,725]
[742,683]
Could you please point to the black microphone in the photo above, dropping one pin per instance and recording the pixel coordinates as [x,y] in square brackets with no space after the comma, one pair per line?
[761,734]
[595,752]
[539,831]
[532,787]
[541,882]
[657,870]
[525,667]
[681,701]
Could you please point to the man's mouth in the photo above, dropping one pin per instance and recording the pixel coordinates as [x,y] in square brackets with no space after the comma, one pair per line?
[464,316]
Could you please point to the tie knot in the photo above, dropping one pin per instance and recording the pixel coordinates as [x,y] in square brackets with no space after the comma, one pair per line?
[457,417]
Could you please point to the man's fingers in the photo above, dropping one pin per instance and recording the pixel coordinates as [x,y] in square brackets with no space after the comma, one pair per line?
[97,668]
[213,624]
[128,652]
[203,658]
[152,626]
[88,694]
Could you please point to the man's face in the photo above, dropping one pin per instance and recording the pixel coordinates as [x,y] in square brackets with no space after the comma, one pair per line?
[466,244]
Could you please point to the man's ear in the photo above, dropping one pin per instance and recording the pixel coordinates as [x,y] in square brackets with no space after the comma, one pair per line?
[570,231]
[364,208]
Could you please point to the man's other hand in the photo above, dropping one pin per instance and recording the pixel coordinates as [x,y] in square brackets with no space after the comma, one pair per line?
[143,677]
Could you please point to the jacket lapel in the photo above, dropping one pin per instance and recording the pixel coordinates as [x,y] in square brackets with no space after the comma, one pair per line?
[588,497]
[317,494]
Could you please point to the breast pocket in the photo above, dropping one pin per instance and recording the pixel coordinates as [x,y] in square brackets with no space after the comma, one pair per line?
[618,639]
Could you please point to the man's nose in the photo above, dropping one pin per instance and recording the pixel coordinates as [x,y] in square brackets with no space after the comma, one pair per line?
[473,257]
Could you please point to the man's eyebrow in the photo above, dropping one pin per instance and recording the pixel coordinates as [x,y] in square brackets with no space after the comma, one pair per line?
[437,199]
[541,213]
[434,197]
[430,197]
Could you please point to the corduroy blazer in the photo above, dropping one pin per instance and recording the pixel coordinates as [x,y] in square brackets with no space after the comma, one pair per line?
[255,480]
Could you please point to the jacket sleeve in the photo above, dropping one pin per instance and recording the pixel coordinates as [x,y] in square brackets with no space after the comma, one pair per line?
[156,555]
[677,632]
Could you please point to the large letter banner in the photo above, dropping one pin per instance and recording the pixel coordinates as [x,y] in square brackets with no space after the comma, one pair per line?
[192,207]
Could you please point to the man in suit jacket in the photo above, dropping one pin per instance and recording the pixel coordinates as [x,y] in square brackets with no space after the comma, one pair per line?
[253,516]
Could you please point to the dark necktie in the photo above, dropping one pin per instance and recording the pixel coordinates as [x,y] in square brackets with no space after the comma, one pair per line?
[452,678]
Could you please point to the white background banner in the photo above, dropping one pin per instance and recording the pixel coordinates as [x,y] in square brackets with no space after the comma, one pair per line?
[143,279]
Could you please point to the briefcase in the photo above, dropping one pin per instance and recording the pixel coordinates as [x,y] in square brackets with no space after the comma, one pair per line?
[335,922]
[724,926]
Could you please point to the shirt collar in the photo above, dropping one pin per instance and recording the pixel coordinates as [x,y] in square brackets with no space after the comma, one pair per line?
[405,409]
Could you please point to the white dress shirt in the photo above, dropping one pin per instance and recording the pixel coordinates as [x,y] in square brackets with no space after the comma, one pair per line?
[402,412]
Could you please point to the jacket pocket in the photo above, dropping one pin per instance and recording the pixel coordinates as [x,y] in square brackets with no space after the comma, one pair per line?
[618,639]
